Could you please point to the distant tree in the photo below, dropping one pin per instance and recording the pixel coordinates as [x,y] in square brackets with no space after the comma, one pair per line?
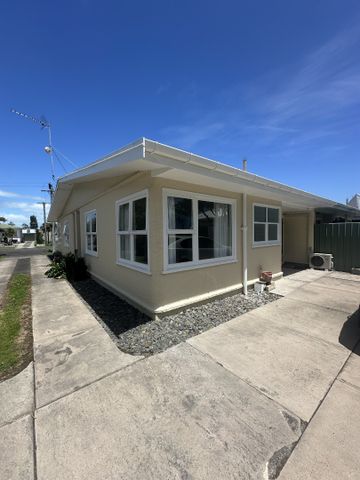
[33,222]
[11,223]
[2,219]
[10,232]
[25,225]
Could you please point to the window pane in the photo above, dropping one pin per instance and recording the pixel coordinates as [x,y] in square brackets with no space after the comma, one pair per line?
[179,213]
[214,220]
[180,248]
[272,232]
[259,214]
[139,214]
[124,217]
[94,240]
[125,247]
[273,215]
[88,242]
[140,249]
[93,222]
[259,232]
[88,223]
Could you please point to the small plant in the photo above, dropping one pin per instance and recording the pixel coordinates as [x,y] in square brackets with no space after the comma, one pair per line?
[57,269]
[67,266]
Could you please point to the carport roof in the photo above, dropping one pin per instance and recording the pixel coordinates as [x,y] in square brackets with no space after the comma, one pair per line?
[161,160]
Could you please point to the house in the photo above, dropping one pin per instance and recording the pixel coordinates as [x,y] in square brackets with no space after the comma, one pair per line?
[354,201]
[165,228]
[29,234]
[10,231]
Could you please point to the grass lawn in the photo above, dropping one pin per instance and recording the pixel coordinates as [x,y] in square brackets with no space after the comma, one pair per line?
[15,326]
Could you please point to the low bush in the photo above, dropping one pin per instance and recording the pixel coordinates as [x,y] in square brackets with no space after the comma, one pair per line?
[67,266]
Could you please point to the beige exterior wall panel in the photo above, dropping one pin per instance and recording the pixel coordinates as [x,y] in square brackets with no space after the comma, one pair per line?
[296,237]
[159,291]
[189,284]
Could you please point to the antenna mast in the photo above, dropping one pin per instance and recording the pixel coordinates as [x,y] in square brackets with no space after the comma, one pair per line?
[44,124]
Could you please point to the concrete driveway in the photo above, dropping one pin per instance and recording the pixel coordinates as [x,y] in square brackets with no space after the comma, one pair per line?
[277,386]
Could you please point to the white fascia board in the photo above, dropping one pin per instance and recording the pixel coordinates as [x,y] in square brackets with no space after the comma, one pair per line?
[129,153]
[284,193]
[176,158]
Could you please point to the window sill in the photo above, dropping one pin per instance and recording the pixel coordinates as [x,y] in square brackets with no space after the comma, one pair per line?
[134,266]
[255,245]
[181,267]
[92,254]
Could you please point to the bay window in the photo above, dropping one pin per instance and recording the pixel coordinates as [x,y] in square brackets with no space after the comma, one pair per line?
[132,231]
[199,230]
[266,225]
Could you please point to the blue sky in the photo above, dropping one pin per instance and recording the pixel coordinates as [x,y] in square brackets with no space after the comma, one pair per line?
[276,82]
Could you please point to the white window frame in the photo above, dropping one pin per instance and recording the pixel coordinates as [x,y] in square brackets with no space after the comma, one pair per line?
[66,238]
[130,199]
[266,242]
[87,251]
[196,263]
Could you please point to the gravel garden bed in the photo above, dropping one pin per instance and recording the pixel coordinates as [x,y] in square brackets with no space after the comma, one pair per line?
[137,334]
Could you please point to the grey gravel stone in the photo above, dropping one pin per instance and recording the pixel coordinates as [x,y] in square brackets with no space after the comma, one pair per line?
[135,333]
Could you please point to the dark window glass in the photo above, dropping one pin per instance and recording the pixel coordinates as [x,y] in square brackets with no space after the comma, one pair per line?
[260,214]
[180,248]
[94,240]
[139,214]
[179,213]
[125,247]
[272,232]
[88,242]
[124,217]
[259,232]
[93,223]
[140,249]
[273,215]
[214,225]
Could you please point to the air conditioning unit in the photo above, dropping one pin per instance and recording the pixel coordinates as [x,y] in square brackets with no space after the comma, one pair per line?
[323,261]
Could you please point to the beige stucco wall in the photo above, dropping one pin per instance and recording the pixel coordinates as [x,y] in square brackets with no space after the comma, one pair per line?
[296,237]
[159,290]
[181,285]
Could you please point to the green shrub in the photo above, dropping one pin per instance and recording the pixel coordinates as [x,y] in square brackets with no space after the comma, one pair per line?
[67,266]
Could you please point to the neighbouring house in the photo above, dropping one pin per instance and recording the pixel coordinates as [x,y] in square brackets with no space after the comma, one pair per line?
[29,234]
[6,229]
[354,201]
[165,228]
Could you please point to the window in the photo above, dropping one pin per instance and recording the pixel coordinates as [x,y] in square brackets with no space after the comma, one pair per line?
[199,230]
[66,234]
[132,231]
[266,223]
[56,231]
[91,233]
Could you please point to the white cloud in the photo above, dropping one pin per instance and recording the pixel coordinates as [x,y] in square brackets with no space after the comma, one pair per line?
[312,99]
[5,194]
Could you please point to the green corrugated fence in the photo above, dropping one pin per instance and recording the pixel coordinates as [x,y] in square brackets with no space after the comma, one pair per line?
[342,240]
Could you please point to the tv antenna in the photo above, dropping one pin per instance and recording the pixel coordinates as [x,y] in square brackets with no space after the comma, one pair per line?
[49,149]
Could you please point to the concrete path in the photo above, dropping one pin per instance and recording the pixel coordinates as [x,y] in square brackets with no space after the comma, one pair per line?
[7,266]
[232,403]
[297,351]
